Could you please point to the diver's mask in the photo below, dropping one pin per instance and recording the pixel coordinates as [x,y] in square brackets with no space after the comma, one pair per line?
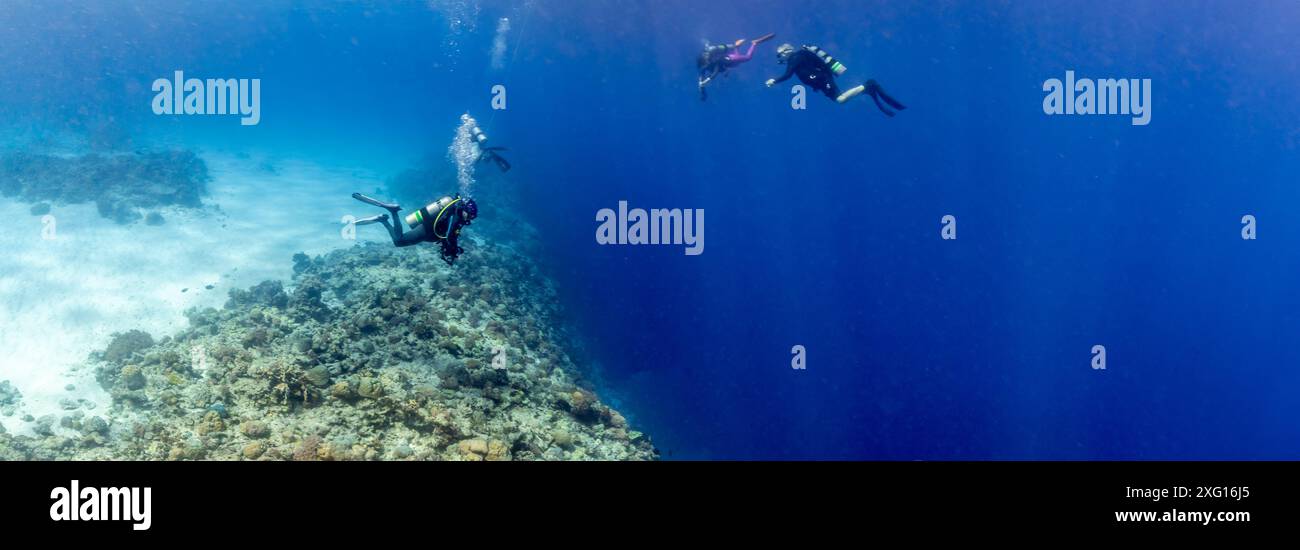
[783,53]
[469,209]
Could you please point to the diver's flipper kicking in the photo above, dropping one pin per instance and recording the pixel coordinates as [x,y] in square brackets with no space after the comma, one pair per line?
[492,154]
[877,93]
[390,207]
[382,218]
[394,229]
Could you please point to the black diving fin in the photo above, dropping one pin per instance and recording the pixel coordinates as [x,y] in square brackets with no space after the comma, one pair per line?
[375,202]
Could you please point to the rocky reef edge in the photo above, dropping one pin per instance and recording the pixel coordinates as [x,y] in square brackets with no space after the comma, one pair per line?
[369,353]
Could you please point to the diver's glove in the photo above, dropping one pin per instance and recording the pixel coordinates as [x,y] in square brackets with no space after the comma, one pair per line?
[449,255]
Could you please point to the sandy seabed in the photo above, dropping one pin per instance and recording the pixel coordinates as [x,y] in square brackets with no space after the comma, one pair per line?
[64,297]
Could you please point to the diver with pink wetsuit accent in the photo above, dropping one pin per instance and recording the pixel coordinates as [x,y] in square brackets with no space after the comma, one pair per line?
[716,59]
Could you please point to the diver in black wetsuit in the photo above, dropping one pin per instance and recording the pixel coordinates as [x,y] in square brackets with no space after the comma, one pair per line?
[486,154]
[439,222]
[817,69]
[717,59]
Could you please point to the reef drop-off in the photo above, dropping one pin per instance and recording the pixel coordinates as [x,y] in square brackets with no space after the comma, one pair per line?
[371,353]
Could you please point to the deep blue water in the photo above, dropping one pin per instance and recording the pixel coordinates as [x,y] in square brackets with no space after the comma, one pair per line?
[822,225]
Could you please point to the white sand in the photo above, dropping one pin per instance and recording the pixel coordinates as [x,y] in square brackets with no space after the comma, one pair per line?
[61,299]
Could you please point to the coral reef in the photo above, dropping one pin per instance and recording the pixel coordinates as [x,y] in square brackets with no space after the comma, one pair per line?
[9,398]
[125,345]
[120,185]
[370,353]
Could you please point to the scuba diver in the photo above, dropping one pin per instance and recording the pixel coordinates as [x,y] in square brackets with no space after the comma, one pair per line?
[715,60]
[486,154]
[491,154]
[818,69]
[439,222]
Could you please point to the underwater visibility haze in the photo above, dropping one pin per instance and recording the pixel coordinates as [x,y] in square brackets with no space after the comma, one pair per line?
[983,272]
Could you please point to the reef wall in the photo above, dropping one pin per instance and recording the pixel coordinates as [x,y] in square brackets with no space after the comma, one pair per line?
[372,352]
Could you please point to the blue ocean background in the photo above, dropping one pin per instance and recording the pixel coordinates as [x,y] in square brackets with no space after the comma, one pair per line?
[822,225]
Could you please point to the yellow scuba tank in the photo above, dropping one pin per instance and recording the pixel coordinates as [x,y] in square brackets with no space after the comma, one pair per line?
[430,212]
[835,66]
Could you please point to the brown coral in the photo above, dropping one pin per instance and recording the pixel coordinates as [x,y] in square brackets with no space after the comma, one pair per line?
[308,449]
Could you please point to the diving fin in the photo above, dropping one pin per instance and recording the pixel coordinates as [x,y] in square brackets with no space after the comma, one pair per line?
[891,101]
[372,219]
[500,161]
[879,94]
[764,38]
[490,154]
[375,202]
